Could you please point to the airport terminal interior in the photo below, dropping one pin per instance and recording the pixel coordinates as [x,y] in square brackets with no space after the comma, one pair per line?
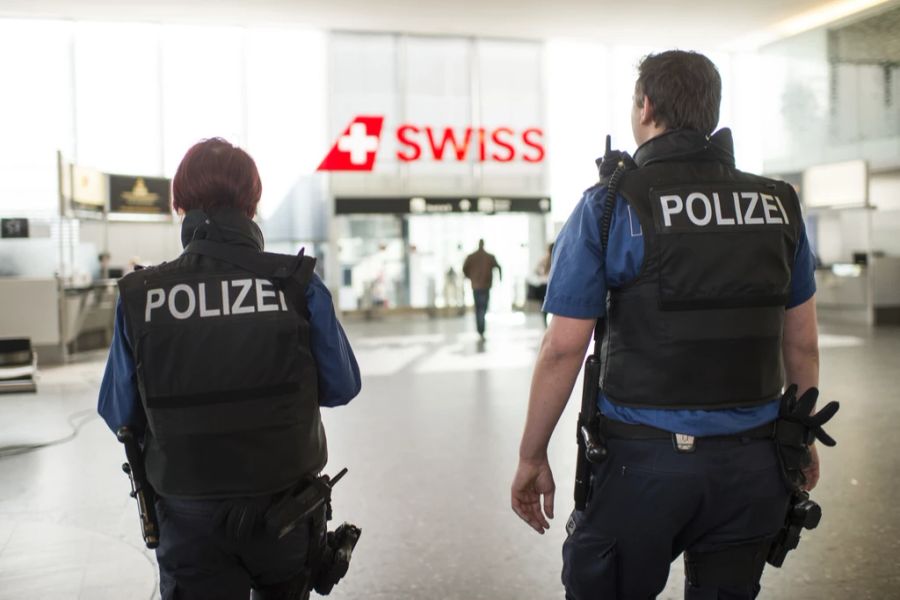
[390,138]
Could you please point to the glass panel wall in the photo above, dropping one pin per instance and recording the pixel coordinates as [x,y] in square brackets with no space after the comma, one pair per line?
[36,111]
[117,98]
[203,88]
[833,94]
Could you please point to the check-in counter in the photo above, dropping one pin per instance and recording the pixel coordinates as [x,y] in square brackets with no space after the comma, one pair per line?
[56,317]
[860,293]
[89,314]
[886,290]
[31,309]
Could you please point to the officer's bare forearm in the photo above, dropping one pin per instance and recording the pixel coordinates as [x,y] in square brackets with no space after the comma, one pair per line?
[559,360]
[802,368]
[801,346]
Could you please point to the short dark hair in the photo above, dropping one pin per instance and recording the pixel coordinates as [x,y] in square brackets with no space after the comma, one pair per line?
[214,173]
[684,88]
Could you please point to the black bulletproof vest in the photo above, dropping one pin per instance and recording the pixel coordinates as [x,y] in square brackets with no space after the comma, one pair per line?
[701,325]
[225,374]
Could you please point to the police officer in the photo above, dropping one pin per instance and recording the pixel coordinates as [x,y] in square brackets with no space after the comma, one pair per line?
[706,286]
[220,361]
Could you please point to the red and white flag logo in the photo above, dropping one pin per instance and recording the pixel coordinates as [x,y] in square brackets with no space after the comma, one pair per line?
[357,147]
[355,150]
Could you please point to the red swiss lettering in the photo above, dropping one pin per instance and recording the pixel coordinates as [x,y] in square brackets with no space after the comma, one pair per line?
[502,141]
[536,145]
[482,148]
[460,150]
[503,144]
[413,150]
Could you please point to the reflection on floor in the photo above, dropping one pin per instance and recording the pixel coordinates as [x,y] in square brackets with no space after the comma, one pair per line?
[431,445]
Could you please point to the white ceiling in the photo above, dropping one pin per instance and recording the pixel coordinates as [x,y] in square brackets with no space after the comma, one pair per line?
[685,23]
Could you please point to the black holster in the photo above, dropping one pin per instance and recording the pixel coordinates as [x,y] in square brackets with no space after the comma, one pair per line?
[330,551]
[310,496]
[335,558]
[792,444]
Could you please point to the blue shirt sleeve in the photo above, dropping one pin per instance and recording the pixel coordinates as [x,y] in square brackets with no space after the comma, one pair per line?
[803,277]
[339,379]
[579,271]
[119,403]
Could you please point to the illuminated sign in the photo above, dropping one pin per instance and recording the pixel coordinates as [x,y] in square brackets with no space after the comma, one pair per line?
[422,205]
[139,195]
[357,148]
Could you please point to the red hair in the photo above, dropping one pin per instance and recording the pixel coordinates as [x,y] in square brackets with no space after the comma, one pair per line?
[214,174]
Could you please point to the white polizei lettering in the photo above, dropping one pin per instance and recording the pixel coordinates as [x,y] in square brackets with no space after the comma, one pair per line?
[707,216]
[226,302]
[720,220]
[237,308]
[281,298]
[749,219]
[783,212]
[737,208]
[262,294]
[670,209]
[192,301]
[206,312]
[768,208]
[155,298]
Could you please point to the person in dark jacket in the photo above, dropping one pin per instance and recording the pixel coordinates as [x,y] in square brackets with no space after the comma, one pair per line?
[479,269]
[219,364]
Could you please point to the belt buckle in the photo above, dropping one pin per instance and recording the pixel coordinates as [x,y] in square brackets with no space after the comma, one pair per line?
[683,443]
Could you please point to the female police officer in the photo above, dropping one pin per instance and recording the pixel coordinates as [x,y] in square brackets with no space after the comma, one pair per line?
[220,361]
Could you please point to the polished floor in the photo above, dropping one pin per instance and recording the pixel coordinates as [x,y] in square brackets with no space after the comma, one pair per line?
[431,445]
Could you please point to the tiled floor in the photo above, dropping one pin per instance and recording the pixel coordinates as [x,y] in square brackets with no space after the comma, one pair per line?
[431,445]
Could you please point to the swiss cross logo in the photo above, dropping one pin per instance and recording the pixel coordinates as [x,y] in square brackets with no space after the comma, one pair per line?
[357,147]
[355,150]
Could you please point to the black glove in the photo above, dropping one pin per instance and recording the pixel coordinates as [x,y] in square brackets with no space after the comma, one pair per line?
[799,410]
[796,429]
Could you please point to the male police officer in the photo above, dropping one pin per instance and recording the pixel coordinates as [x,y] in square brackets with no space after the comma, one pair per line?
[219,362]
[706,286]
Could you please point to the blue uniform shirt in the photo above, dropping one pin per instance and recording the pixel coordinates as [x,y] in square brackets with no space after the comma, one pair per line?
[339,380]
[580,276]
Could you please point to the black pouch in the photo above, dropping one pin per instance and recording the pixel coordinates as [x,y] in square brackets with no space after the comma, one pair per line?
[793,452]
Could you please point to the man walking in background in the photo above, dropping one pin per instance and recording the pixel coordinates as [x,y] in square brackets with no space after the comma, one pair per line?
[479,268]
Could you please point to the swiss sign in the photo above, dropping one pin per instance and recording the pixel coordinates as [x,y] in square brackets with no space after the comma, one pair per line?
[355,150]
[357,147]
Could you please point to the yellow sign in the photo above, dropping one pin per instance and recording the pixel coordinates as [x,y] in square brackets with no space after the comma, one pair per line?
[139,194]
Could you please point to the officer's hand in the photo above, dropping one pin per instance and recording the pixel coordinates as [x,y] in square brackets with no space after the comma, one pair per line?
[533,479]
[812,470]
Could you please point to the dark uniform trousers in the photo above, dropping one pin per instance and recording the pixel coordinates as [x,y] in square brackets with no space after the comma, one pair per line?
[198,561]
[649,503]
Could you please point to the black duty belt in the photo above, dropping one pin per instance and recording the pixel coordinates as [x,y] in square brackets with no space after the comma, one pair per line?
[626,431]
